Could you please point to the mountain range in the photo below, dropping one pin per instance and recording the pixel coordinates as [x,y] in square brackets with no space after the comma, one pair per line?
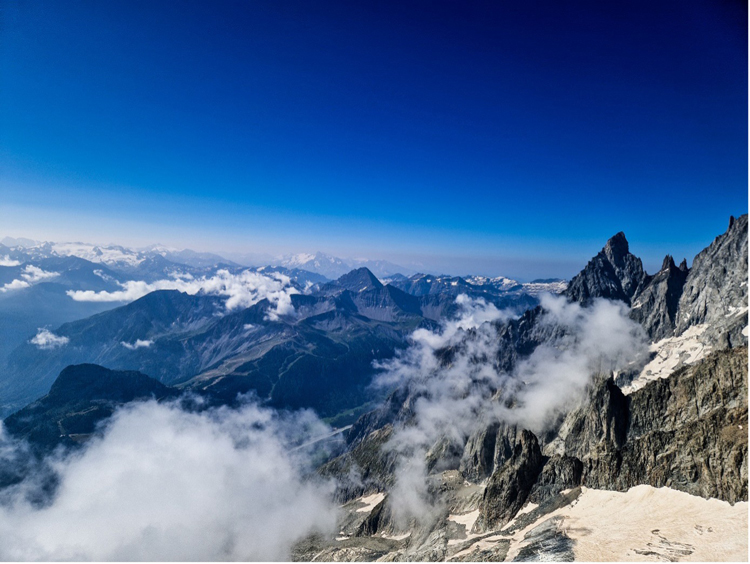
[178,328]
[494,472]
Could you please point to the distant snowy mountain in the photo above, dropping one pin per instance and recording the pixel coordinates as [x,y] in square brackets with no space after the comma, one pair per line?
[334,267]
[18,242]
[113,255]
[187,256]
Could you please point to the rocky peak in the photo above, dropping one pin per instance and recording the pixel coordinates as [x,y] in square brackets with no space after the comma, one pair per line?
[683,265]
[617,247]
[614,273]
[655,304]
[358,280]
[668,263]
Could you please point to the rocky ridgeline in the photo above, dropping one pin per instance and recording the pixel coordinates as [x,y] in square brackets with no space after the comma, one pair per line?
[687,431]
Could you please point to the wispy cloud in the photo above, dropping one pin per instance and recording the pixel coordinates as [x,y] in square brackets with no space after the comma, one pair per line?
[45,339]
[34,274]
[469,393]
[165,484]
[240,290]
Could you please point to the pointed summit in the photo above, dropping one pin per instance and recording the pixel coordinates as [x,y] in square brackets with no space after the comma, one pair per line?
[683,265]
[668,263]
[617,246]
[614,273]
[359,280]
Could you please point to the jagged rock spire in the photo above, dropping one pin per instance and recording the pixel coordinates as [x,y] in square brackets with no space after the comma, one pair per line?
[668,263]
[614,273]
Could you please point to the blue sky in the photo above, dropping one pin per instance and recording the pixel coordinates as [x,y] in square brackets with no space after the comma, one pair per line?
[495,137]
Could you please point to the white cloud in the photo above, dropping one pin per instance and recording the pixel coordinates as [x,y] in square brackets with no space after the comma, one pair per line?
[103,275]
[14,285]
[241,290]
[7,261]
[164,484]
[454,400]
[45,339]
[30,275]
[137,345]
[34,274]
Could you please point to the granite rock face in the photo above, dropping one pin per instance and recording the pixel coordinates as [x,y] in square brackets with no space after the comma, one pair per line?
[687,432]
[560,472]
[716,288]
[509,487]
[655,306]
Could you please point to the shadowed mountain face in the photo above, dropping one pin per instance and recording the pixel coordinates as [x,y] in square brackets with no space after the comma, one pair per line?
[81,396]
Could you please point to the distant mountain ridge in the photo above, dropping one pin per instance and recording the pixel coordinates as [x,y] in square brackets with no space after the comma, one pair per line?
[333,267]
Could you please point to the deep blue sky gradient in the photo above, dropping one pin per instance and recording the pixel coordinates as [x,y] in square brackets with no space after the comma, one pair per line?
[498,137]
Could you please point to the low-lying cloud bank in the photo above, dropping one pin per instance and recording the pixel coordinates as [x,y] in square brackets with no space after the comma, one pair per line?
[166,484]
[240,290]
[470,392]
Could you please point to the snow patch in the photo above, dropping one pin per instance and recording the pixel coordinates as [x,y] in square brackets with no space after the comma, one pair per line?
[467,520]
[370,502]
[671,354]
[649,523]
[93,253]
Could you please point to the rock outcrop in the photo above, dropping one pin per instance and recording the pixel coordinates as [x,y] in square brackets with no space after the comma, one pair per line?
[509,487]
